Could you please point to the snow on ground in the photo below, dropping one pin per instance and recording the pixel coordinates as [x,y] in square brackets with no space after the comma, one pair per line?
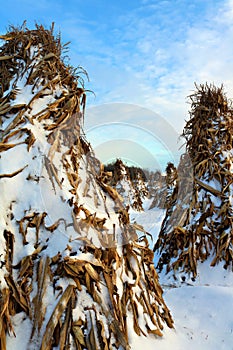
[203,320]
[202,311]
[151,220]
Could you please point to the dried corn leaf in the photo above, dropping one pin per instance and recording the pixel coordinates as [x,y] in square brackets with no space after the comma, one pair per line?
[155,332]
[39,309]
[12,174]
[91,271]
[102,336]
[3,58]
[119,334]
[66,328]
[17,293]
[54,319]
[209,188]
[78,334]
[25,264]
[6,146]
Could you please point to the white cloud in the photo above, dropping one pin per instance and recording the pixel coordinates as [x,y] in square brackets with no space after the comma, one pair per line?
[151,66]
[149,53]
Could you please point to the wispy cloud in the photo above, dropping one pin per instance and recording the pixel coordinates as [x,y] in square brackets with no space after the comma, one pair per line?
[169,58]
[153,55]
[144,53]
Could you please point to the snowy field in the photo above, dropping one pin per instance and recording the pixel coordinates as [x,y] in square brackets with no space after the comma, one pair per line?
[202,310]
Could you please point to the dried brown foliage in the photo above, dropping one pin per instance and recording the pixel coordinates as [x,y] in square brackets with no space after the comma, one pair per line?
[118,173]
[118,280]
[202,227]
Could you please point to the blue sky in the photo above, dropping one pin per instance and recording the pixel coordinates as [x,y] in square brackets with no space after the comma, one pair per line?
[144,53]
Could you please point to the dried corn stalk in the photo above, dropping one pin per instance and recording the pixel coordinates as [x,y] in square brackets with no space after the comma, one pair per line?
[128,182]
[202,227]
[72,263]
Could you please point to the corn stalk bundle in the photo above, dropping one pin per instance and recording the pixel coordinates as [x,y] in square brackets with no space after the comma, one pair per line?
[163,188]
[75,274]
[129,183]
[198,224]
